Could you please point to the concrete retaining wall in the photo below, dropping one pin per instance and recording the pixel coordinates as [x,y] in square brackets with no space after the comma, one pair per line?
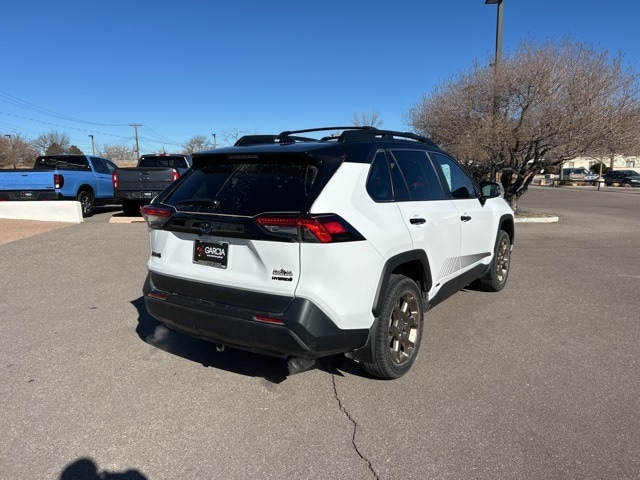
[68,211]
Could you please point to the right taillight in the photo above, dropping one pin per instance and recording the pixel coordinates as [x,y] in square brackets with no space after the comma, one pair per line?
[316,228]
[58,180]
[156,216]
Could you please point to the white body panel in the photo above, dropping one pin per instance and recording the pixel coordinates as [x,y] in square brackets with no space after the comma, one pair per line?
[251,263]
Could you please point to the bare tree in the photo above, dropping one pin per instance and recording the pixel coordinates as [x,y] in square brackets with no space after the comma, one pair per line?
[232,135]
[120,154]
[366,119]
[544,105]
[52,143]
[197,143]
[16,152]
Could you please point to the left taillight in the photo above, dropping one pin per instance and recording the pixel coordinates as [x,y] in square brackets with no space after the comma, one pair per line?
[155,216]
[321,228]
[174,175]
[58,180]
[114,179]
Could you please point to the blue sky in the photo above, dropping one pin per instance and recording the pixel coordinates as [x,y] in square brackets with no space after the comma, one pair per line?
[199,67]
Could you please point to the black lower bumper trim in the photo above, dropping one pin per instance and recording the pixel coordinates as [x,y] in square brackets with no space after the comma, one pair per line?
[306,331]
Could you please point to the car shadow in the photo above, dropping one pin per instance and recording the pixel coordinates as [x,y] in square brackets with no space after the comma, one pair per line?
[154,333]
[242,362]
[86,469]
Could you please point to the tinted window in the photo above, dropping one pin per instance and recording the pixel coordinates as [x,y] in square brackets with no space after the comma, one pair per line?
[245,188]
[419,175]
[62,162]
[99,165]
[379,181]
[400,188]
[164,161]
[459,183]
[111,167]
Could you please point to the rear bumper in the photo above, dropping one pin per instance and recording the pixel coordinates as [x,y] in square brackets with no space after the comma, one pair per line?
[137,196]
[228,317]
[26,195]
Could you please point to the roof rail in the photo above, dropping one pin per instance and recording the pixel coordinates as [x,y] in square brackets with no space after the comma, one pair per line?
[356,134]
[287,135]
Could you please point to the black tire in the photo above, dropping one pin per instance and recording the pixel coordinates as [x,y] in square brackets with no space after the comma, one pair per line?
[130,209]
[496,277]
[398,329]
[86,202]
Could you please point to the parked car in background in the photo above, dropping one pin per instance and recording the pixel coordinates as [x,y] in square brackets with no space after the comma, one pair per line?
[591,176]
[577,173]
[135,186]
[85,178]
[628,178]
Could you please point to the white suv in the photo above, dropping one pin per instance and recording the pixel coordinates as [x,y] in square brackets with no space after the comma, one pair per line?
[305,247]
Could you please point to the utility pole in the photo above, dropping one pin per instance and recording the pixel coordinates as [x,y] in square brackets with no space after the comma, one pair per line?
[135,126]
[214,141]
[93,145]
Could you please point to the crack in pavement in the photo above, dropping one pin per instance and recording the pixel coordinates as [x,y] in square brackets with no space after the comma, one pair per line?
[355,427]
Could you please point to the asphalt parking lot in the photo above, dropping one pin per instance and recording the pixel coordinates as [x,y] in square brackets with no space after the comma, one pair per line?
[539,381]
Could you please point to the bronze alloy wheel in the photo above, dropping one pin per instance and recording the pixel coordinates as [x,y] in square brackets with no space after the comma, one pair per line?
[404,325]
[496,277]
[398,329]
[503,255]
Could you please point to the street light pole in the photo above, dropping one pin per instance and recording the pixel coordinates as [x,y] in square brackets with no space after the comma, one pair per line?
[498,30]
[93,145]
[496,67]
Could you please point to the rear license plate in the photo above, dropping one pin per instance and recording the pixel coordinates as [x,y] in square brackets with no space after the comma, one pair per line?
[147,194]
[26,194]
[211,253]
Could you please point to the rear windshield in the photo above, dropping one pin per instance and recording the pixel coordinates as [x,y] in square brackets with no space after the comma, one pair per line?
[245,188]
[164,161]
[62,162]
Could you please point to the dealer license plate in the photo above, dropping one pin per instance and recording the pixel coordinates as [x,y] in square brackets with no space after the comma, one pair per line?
[213,254]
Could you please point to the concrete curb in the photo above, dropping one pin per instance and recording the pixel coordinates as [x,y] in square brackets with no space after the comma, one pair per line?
[122,219]
[67,211]
[536,218]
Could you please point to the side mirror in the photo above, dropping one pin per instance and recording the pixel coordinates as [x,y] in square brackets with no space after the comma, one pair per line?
[490,189]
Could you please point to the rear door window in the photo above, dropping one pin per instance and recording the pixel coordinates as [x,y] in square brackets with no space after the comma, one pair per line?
[419,176]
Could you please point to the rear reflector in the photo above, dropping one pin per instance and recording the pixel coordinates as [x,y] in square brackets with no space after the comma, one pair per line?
[157,295]
[270,320]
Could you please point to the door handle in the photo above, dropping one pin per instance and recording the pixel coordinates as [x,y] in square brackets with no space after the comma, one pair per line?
[465,218]
[417,221]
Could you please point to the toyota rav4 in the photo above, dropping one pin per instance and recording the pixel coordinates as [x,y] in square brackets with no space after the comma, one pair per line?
[318,242]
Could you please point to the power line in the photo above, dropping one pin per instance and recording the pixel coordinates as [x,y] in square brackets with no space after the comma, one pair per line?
[61,126]
[8,98]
